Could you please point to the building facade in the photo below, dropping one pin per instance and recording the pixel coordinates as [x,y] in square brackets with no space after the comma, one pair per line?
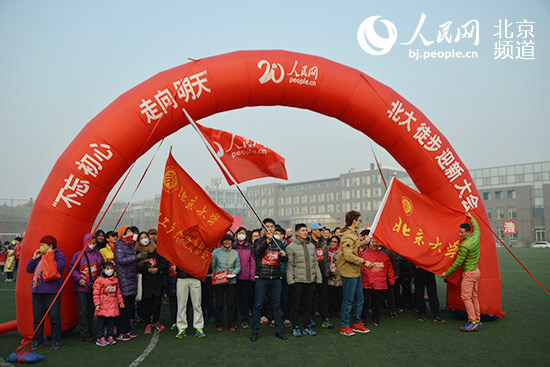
[517,199]
[325,201]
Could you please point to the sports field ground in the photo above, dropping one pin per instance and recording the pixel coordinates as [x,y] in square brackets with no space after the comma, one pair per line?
[522,338]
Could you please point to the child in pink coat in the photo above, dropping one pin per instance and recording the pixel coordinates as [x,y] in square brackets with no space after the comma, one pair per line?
[107,300]
[375,279]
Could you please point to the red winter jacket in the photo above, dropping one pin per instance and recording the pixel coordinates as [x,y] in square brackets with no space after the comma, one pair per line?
[107,295]
[381,271]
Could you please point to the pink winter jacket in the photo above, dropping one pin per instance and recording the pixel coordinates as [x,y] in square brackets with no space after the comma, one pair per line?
[380,273]
[107,295]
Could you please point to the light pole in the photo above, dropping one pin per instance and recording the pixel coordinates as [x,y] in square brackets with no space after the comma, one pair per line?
[216,182]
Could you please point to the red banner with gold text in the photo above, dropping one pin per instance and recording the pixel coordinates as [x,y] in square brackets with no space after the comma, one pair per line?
[190,223]
[418,228]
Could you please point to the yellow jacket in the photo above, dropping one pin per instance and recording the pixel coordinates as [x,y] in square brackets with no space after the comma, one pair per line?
[349,262]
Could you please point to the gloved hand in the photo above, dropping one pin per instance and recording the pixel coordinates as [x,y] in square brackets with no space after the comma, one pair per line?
[141,255]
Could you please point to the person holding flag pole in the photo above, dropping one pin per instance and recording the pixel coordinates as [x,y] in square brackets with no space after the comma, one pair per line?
[468,257]
[249,163]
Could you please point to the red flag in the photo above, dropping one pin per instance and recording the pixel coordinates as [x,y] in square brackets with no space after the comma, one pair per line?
[244,159]
[418,228]
[190,223]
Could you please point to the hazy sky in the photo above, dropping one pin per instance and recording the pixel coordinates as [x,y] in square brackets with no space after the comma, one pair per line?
[64,61]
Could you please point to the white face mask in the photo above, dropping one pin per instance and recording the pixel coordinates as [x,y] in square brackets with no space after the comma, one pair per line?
[277,237]
[144,241]
[109,272]
[91,247]
[241,237]
[135,237]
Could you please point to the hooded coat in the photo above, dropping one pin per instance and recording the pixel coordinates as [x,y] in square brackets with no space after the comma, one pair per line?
[81,270]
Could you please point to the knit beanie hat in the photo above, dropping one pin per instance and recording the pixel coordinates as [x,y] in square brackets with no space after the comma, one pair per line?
[49,240]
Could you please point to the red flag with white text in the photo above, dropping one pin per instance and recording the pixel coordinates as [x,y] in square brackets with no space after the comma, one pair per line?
[190,223]
[244,159]
[418,228]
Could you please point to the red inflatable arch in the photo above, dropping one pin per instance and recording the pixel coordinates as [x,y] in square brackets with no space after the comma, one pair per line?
[87,170]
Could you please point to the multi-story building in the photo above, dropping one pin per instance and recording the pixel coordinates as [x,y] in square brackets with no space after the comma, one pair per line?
[325,201]
[517,199]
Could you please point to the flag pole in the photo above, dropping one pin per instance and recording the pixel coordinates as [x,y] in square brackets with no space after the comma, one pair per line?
[226,171]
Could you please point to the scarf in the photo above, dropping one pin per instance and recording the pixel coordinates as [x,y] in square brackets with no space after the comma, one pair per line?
[37,274]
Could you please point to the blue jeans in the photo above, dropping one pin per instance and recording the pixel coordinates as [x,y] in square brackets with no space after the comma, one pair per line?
[260,290]
[105,322]
[352,296]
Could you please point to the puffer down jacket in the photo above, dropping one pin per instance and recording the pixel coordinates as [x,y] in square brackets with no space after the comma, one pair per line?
[126,268]
[302,264]
[107,295]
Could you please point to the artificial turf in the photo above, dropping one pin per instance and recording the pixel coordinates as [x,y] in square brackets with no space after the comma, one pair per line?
[521,338]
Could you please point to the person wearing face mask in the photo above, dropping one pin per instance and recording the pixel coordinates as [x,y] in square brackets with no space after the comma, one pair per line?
[151,267]
[245,277]
[375,279]
[84,275]
[225,259]
[43,292]
[107,300]
[126,259]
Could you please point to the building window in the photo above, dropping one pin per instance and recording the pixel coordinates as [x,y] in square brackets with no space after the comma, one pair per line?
[498,195]
[489,214]
[321,198]
[330,208]
[520,178]
[296,210]
[368,180]
[513,236]
[500,213]
[321,209]
[512,213]
[312,210]
[511,194]
[304,210]
[304,199]
[486,196]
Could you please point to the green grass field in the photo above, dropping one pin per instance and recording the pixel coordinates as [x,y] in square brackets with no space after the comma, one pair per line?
[519,339]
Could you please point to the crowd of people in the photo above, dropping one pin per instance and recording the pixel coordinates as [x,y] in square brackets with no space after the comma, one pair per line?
[300,279]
